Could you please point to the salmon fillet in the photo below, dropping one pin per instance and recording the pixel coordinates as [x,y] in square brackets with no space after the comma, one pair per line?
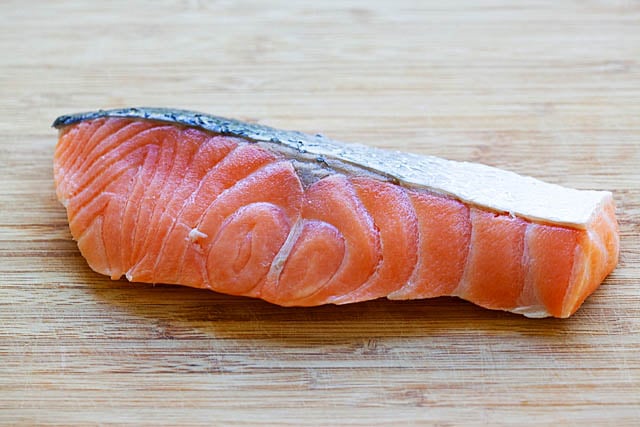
[179,197]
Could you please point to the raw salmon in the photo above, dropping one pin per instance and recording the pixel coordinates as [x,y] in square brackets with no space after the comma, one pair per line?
[172,196]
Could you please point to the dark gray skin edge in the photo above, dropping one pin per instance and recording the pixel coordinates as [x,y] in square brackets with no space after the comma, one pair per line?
[304,148]
[216,124]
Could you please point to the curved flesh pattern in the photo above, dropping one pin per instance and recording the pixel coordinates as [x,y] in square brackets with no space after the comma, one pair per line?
[164,203]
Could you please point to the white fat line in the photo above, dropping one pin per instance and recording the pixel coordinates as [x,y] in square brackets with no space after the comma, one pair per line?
[609,219]
[464,279]
[596,238]
[529,293]
[580,274]
[411,285]
[283,254]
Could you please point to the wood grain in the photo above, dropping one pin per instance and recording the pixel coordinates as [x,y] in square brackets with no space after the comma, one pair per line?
[550,89]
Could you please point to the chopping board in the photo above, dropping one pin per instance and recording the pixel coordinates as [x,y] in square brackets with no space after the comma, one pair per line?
[548,89]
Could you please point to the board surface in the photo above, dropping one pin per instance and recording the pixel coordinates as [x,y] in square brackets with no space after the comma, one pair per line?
[548,89]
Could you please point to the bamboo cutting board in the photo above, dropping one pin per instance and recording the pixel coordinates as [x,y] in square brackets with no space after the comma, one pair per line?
[549,89]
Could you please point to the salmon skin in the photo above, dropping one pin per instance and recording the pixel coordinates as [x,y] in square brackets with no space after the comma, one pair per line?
[179,197]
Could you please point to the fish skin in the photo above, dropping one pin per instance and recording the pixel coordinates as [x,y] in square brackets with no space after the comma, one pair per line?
[534,284]
[211,123]
[472,183]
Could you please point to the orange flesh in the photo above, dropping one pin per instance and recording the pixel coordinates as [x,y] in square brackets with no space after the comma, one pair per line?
[495,271]
[444,235]
[164,203]
[314,260]
[397,223]
[333,200]
[552,252]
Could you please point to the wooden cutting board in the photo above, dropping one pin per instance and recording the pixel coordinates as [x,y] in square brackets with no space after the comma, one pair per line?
[549,89]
